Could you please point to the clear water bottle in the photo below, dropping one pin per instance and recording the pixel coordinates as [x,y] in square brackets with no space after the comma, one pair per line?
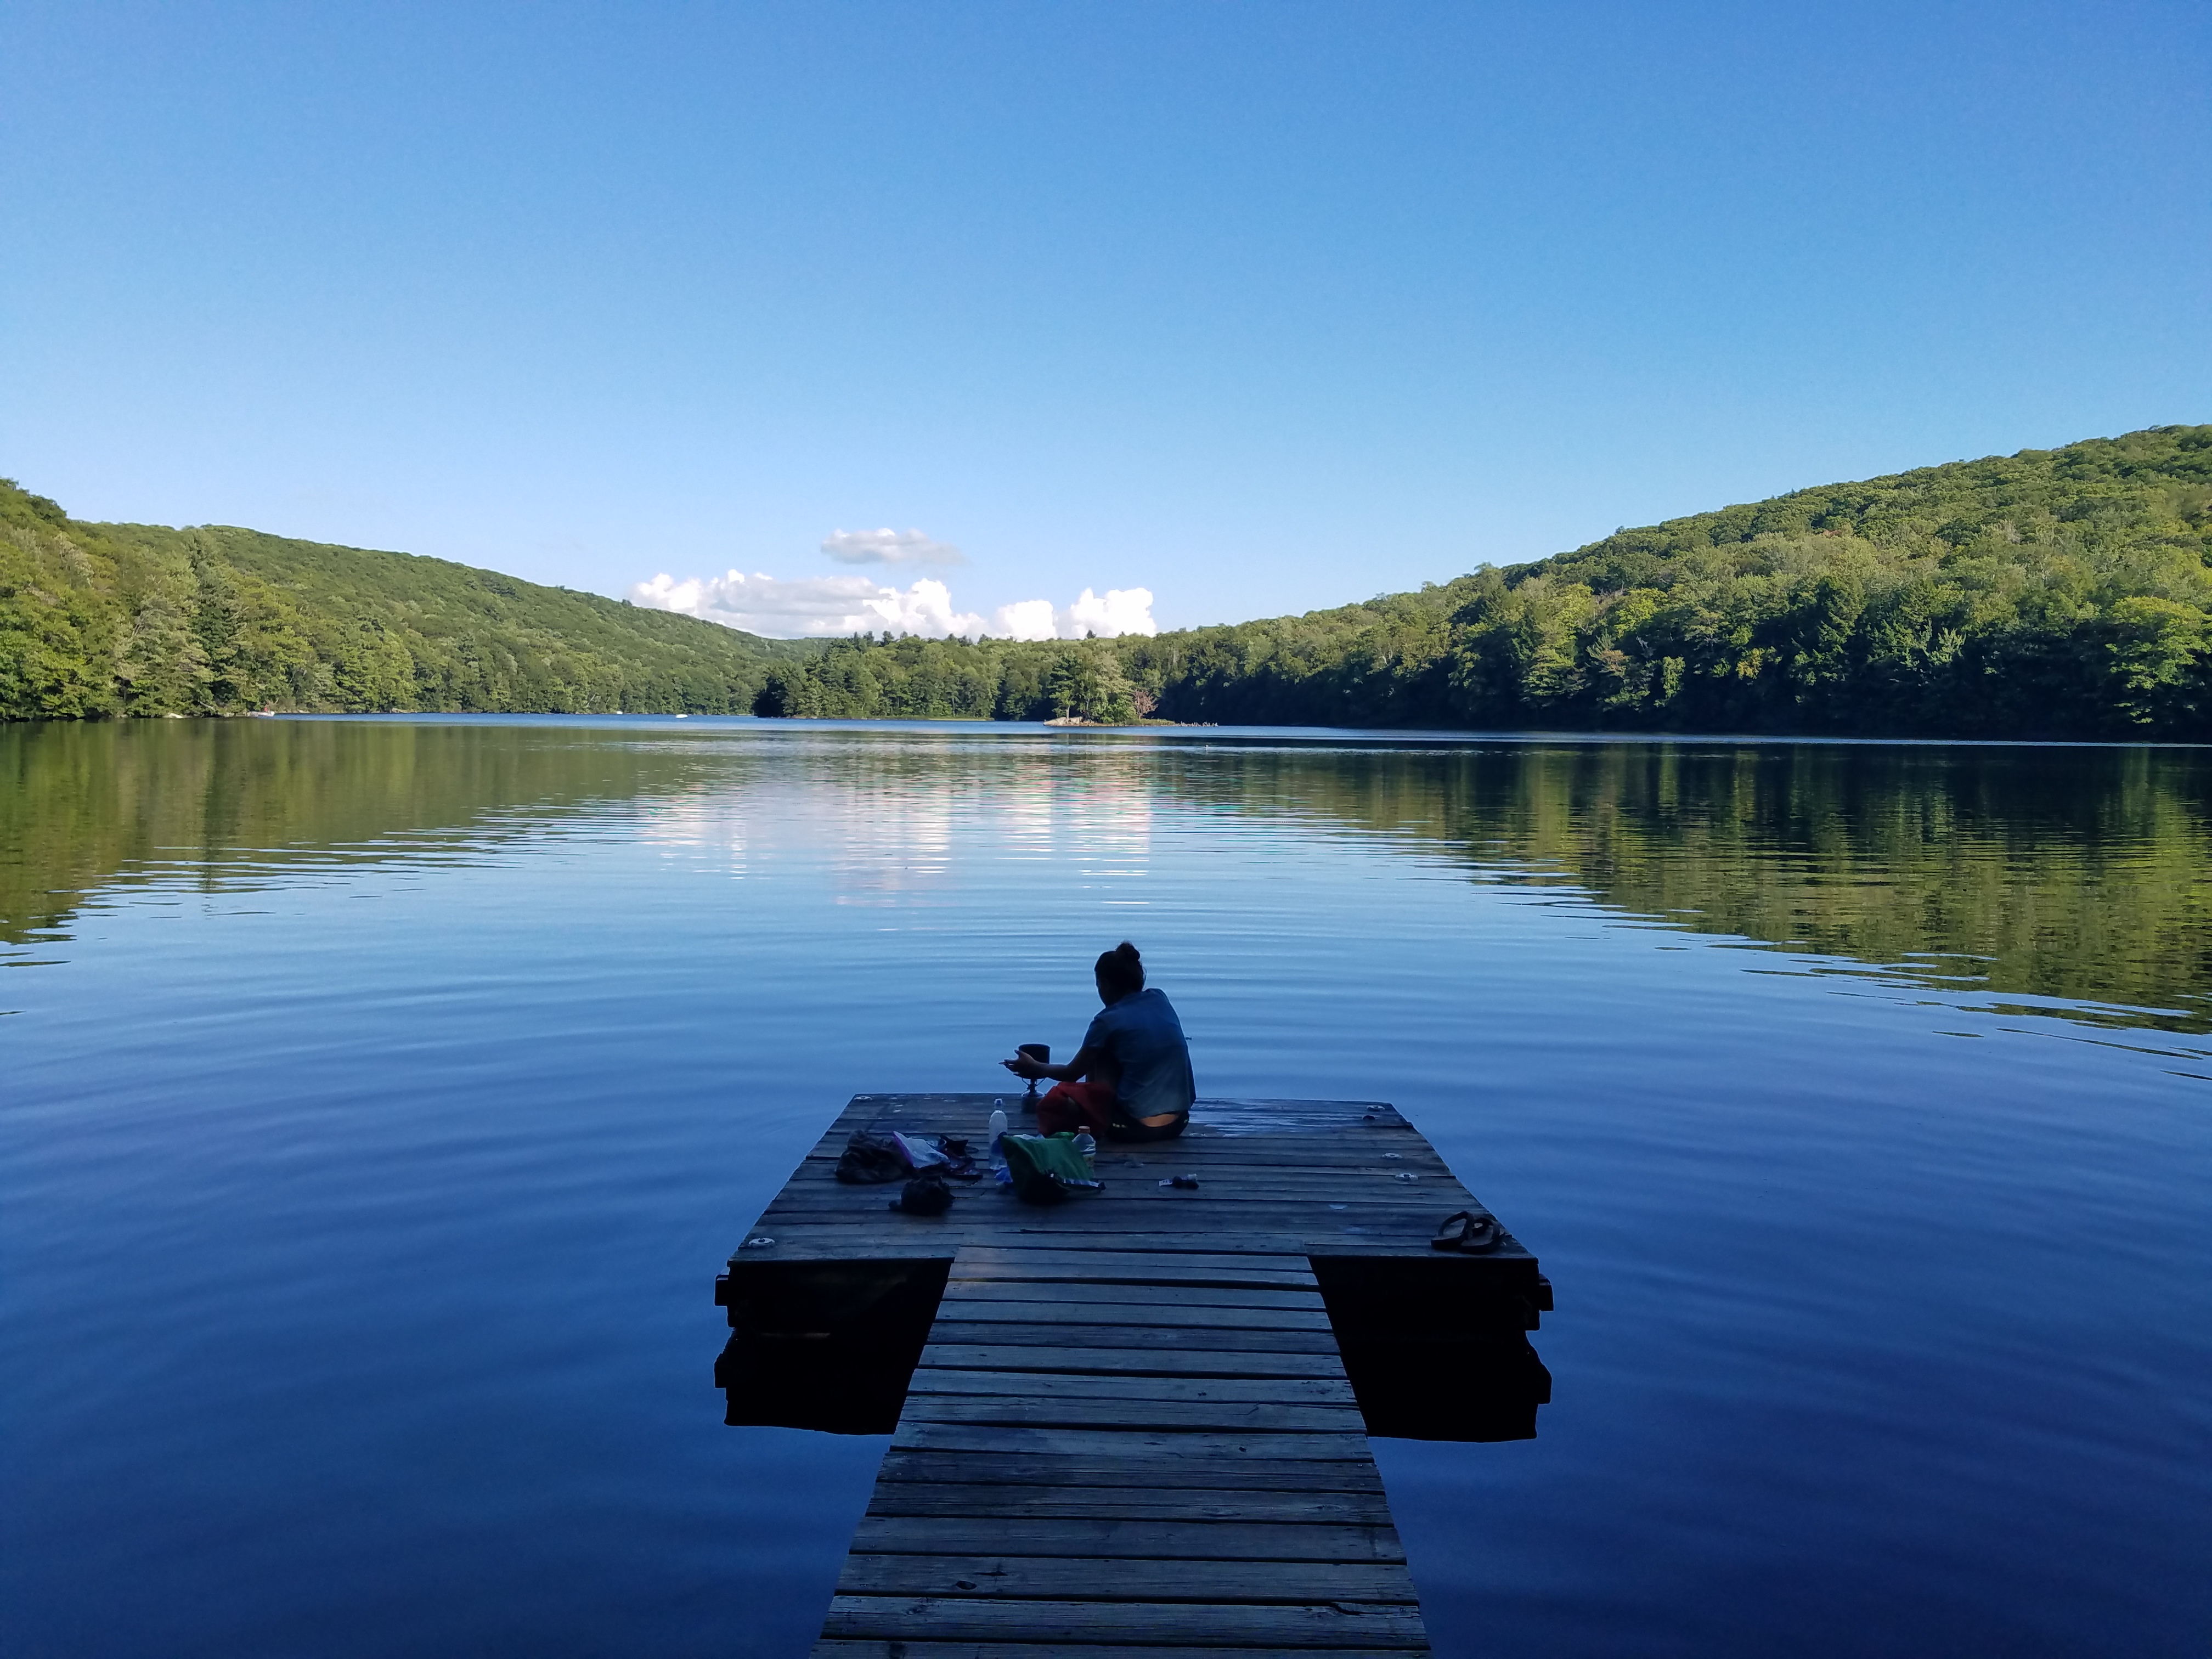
[1085,1144]
[998,1153]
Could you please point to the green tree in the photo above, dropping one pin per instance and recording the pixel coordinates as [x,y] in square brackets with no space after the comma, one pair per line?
[2158,649]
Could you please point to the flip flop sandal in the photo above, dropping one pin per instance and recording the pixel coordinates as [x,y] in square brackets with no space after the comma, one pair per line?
[1483,1233]
[1452,1230]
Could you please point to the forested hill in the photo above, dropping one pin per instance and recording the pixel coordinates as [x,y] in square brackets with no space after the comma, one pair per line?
[98,619]
[2052,593]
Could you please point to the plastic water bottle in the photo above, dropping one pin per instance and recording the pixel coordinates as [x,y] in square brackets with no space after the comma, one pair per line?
[1086,1144]
[998,1153]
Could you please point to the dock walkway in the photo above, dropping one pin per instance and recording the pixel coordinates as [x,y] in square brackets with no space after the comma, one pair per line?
[1136,1421]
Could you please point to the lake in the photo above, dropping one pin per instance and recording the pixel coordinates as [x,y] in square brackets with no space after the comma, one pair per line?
[381,1096]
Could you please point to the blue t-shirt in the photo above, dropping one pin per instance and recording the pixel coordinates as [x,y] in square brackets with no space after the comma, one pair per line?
[1145,1039]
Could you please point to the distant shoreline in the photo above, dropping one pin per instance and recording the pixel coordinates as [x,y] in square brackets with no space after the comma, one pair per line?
[2051,596]
[1372,736]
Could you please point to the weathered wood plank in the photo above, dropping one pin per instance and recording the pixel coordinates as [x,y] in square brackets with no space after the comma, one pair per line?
[1354,1228]
[1053,1412]
[1319,1159]
[1090,1537]
[829,1649]
[1403,1147]
[1047,1385]
[838,1650]
[1084,1578]
[1050,1251]
[813,1241]
[1065,1471]
[963,1293]
[1206,1131]
[1080,1267]
[1137,1339]
[1034,1359]
[1332,1149]
[1000,1439]
[1235,1624]
[1138,1314]
[986,1258]
[1011,1411]
[1302,1204]
[1125,1178]
[1320,1229]
[829,1240]
[973,1500]
[1203,1133]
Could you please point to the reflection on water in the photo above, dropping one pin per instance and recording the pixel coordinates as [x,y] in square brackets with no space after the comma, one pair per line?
[378,1098]
[223,804]
[2080,878]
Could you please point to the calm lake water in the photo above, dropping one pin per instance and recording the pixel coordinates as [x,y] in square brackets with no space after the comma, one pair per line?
[378,1098]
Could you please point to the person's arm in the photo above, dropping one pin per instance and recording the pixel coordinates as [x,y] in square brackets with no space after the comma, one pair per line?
[1086,1061]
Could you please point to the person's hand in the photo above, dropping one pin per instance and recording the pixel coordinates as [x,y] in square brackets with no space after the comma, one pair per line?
[1022,1066]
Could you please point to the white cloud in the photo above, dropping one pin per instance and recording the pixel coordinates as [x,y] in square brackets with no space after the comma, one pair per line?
[817,607]
[1029,619]
[1118,611]
[889,547]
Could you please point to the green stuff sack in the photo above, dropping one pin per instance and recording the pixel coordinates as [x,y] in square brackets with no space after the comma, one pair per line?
[1045,1169]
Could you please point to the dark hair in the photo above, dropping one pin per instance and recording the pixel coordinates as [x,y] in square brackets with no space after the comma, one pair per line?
[1120,969]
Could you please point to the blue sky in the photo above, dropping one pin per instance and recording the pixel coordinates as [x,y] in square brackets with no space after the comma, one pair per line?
[1260,307]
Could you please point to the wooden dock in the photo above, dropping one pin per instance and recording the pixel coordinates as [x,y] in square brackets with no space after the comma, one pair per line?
[1136,1421]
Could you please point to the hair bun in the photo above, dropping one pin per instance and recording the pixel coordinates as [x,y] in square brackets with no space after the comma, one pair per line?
[1122,967]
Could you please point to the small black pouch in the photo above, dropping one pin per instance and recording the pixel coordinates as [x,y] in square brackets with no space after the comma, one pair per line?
[925,1195]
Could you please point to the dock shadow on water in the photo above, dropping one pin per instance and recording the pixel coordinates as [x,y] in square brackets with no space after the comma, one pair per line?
[376,1090]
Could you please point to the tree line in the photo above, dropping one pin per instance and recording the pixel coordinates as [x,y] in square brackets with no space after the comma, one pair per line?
[2049,594]
[103,619]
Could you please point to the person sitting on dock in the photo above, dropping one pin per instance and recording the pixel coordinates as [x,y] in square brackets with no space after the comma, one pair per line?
[1134,1056]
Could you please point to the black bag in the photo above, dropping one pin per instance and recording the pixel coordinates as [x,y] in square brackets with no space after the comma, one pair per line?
[925,1195]
[870,1158]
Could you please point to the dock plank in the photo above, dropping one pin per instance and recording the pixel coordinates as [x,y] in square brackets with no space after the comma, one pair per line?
[971,1382]
[990,1310]
[1240,1624]
[1168,1578]
[1099,1441]
[1062,1292]
[832,1648]
[1182,1416]
[1076,1472]
[1088,1537]
[1125,1347]
[1046,1410]
[972,1500]
[827,1239]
